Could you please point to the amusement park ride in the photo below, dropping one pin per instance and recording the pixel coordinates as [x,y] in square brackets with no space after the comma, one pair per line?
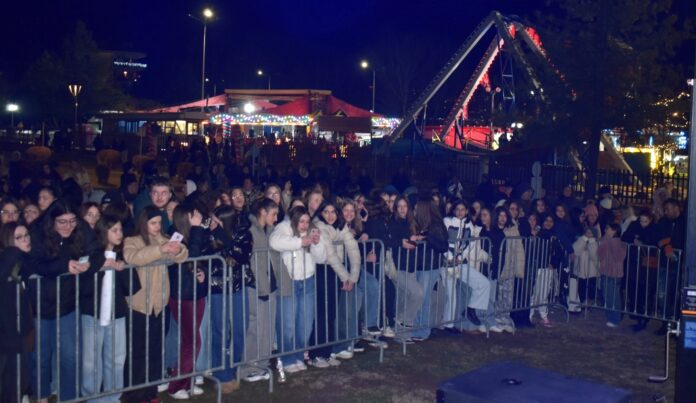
[512,43]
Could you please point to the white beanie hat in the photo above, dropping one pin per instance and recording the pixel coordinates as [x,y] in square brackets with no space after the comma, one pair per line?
[606,203]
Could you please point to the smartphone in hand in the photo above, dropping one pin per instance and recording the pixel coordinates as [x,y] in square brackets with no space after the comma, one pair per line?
[176,237]
[83,259]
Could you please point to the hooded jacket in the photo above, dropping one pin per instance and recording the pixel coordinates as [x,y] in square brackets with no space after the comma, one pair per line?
[263,257]
[297,261]
[339,243]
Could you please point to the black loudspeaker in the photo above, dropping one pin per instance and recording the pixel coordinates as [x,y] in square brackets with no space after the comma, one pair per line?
[507,382]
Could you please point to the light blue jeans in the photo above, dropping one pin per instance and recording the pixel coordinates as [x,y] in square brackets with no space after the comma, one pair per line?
[103,357]
[612,298]
[425,319]
[365,295]
[297,313]
[50,349]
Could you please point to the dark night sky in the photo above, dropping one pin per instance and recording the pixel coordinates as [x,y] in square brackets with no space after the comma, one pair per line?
[303,44]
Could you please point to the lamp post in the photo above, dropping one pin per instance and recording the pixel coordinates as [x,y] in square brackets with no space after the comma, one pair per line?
[365,65]
[260,73]
[207,15]
[12,108]
[75,91]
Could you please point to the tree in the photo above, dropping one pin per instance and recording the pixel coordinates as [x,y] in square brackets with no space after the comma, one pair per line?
[616,58]
[80,62]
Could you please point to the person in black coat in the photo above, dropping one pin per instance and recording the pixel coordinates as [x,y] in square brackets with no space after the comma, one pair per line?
[65,248]
[16,339]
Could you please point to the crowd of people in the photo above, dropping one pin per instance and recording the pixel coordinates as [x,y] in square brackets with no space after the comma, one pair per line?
[295,245]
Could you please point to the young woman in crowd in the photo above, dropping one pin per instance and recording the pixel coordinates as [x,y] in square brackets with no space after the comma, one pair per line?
[585,269]
[511,279]
[491,230]
[187,296]
[147,246]
[16,339]
[9,211]
[404,238]
[103,321]
[262,297]
[476,207]
[313,200]
[273,192]
[30,213]
[67,248]
[612,252]
[90,213]
[47,195]
[546,255]
[234,242]
[340,244]
[301,247]
[592,219]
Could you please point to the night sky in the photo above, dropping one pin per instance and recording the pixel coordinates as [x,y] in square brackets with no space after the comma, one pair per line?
[302,44]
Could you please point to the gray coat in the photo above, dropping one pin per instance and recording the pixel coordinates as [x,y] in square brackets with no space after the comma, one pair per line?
[262,256]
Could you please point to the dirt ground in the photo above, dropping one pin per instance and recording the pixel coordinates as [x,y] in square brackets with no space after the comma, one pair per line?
[583,348]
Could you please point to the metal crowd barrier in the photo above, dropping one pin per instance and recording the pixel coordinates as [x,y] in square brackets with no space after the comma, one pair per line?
[245,329]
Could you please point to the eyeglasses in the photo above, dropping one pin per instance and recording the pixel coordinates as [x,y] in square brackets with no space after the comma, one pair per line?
[22,237]
[67,222]
[10,212]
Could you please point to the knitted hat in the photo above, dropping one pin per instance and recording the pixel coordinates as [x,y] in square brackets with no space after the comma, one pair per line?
[605,203]
[190,187]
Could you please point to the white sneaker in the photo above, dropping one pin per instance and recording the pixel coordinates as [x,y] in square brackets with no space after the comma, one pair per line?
[162,387]
[256,376]
[495,329]
[196,391]
[301,365]
[344,355]
[378,344]
[481,328]
[388,332]
[612,325]
[199,380]
[320,362]
[508,328]
[292,368]
[180,395]
[333,361]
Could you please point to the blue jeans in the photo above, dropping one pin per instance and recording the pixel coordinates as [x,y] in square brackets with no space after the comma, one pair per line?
[612,298]
[203,363]
[423,323]
[349,304]
[171,349]
[297,311]
[103,357]
[227,334]
[66,350]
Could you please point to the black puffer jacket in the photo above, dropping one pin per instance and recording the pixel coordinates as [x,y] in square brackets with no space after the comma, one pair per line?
[236,250]
[12,339]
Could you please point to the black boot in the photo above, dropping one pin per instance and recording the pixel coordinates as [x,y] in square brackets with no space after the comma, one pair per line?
[471,315]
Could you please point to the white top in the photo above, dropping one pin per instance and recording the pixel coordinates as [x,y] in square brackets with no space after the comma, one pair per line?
[299,263]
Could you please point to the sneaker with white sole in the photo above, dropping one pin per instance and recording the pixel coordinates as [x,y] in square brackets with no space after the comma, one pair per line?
[320,362]
[257,376]
[612,325]
[495,329]
[180,395]
[292,368]
[379,344]
[388,332]
[162,387]
[345,354]
[196,391]
[333,361]
[199,380]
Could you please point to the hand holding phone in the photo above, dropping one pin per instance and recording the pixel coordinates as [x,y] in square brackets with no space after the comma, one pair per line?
[176,237]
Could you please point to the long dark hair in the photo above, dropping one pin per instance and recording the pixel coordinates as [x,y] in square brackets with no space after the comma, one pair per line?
[181,221]
[263,204]
[52,239]
[426,215]
[409,218]
[102,227]
[339,223]
[7,234]
[148,213]
[295,215]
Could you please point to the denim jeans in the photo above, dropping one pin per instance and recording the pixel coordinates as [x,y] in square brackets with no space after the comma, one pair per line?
[103,357]
[171,352]
[203,363]
[612,298]
[66,350]
[425,318]
[227,334]
[297,312]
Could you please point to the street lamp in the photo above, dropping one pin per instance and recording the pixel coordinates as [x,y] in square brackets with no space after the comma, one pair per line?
[365,65]
[12,108]
[75,91]
[207,15]
[260,73]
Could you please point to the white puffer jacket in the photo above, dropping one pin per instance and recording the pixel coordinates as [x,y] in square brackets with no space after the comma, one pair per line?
[300,263]
[338,244]
[470,251]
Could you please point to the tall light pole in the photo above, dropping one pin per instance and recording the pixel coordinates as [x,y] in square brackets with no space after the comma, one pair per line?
[207,16]
[75,91]
[260,73]
[365,65]
[12,108]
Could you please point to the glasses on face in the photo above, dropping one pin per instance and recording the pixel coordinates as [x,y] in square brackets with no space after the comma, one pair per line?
[22,237]
[67,222]
[10,212]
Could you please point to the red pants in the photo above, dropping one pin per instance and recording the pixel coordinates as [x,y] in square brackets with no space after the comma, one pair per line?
[189,327]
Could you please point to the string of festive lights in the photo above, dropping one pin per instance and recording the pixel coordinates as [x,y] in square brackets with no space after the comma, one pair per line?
[287,120]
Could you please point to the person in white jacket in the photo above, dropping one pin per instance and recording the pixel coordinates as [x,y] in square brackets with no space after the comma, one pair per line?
[463,260]
[585,269]
[301,247]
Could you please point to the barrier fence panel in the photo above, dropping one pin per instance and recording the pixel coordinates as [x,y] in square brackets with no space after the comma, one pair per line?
[115,332]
